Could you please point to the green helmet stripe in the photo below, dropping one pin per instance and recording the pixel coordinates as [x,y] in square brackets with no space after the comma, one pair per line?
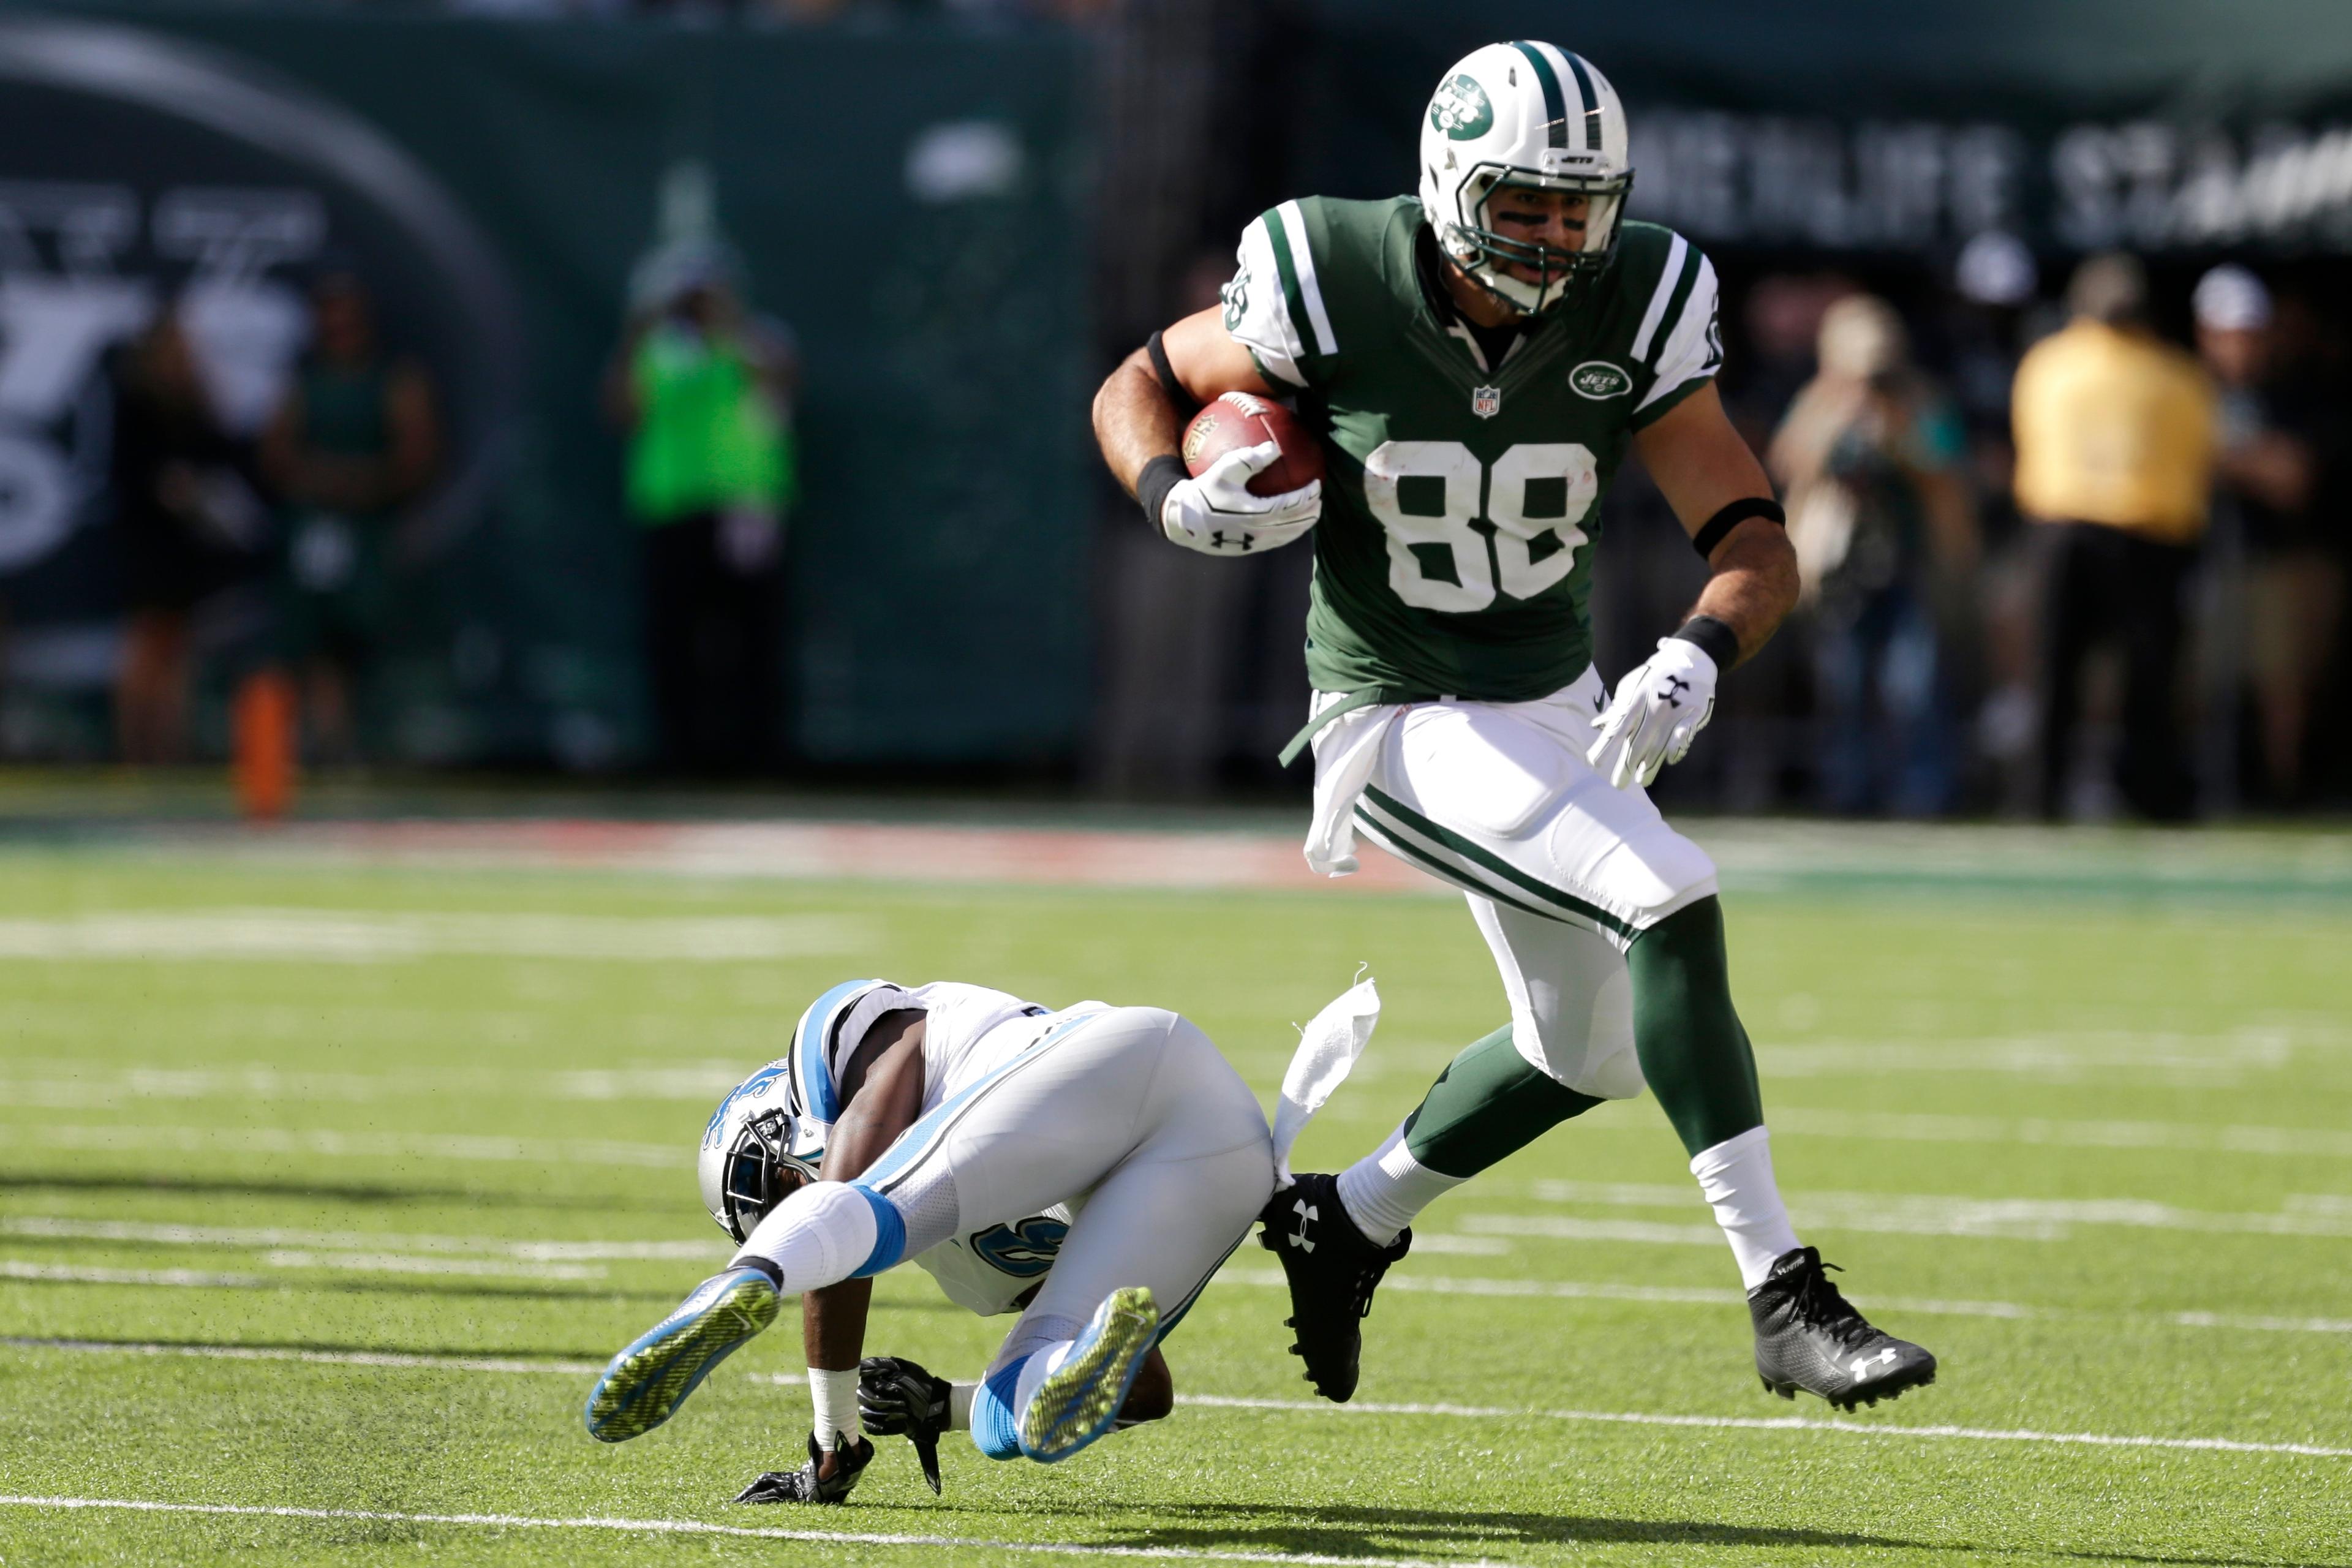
[1293,298]
[1555,105]
[1591,101]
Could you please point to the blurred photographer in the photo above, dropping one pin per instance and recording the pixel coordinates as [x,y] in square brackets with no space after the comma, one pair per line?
[704,390]
[1871,456]
[2267,473]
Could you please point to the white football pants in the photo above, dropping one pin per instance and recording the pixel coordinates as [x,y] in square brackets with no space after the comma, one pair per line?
[1562,871]
[1130,1112]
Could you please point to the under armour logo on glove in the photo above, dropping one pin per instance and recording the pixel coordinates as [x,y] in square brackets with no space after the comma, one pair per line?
[1649,722]
[1217,512]
[1305,1212]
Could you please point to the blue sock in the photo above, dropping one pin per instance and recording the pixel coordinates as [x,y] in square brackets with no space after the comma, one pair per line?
[995,1425]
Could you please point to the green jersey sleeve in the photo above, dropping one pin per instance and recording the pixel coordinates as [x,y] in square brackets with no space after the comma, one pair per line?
[1273,306]
[1678,342]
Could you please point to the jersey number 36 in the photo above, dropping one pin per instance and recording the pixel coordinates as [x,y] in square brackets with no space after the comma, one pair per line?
[1429,494]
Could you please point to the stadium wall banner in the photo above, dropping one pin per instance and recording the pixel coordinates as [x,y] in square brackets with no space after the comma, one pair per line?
[1848,126]
[906,201]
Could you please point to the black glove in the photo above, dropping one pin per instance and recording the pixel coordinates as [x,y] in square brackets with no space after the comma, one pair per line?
[803,1485]
[901,1398]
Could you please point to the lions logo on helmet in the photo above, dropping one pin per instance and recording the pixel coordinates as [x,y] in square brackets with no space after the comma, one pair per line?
[1536,117]
[753,1140]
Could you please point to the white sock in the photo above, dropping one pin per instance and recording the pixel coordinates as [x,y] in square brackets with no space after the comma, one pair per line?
[834,1398]
[1039,1367]
[1383,1190]
[817,1236]
[1736,1177]
[959,1406]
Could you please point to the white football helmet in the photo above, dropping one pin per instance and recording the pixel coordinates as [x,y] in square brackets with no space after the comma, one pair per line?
[767,1136]
[754,1138]
[1525,114]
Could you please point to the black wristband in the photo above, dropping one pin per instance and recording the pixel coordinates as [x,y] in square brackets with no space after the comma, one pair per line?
[1714,638]
[1731,517]
[1183,401]
[1152,487]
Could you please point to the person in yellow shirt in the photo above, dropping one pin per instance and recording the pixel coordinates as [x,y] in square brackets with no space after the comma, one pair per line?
[2117,436]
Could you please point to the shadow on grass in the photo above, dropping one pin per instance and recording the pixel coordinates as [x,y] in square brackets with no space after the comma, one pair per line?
[1349,1532]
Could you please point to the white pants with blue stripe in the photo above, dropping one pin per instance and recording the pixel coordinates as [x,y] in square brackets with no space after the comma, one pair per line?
[1132,1110]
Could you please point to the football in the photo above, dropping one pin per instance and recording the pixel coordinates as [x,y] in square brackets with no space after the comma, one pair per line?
[1239,419]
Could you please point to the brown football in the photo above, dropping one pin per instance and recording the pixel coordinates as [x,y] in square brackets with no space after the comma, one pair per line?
[1239,419]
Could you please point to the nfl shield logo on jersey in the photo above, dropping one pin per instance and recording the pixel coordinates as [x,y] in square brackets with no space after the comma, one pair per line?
[1485,401]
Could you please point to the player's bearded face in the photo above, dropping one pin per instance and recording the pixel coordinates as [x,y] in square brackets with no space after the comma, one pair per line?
[1553,219]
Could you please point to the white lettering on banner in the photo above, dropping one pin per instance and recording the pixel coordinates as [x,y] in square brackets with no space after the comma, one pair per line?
[1922,185]
[73,285]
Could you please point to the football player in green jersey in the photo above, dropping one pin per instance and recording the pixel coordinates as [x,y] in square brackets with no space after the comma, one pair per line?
[1477,359]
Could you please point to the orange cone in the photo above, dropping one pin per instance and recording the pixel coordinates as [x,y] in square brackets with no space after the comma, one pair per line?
[263,744]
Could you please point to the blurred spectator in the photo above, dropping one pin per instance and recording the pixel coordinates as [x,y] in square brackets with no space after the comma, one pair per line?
[705,391]
[190,526]
[1872,456]
[2269,467]
[2115,444]
[357,436]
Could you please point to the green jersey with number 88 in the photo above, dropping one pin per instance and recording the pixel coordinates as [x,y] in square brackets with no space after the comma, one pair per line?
[1460,499]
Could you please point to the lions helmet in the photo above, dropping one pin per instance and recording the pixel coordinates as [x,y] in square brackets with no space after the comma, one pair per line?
[1536,117]
[754,1138]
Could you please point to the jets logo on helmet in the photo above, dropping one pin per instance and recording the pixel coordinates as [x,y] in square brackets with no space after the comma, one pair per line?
[1535,116]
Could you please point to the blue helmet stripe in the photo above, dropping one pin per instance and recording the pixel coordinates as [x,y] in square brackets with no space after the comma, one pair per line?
[819,1097]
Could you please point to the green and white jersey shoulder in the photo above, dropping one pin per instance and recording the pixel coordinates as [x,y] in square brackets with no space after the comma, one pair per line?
[1454,557]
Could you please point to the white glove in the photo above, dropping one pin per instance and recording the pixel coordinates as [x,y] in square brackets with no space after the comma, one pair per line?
[1215,513]
[1659,709]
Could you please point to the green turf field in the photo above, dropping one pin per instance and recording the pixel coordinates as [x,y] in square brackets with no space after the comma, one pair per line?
[328,1189]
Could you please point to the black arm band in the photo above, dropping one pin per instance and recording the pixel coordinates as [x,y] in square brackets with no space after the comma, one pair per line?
[1731,517]
[1715,637]
[1183,401]
[1152,487]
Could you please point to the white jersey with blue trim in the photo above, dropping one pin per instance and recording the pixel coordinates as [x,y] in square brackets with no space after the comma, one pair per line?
[969,1032]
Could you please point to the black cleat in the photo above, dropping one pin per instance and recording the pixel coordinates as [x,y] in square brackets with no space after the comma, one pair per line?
[1808,1337]
[1332,1271]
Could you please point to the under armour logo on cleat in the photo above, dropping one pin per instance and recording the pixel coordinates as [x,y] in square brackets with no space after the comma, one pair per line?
[1862,1365]
[1305,1212]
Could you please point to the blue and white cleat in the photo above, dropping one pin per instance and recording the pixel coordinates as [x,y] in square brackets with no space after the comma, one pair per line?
[1081,1398]
[647,1383]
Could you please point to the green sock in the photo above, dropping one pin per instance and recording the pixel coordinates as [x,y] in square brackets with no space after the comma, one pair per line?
[1692,1048]
[1489,1102]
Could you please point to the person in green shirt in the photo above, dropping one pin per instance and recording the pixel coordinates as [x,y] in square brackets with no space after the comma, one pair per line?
[705,392]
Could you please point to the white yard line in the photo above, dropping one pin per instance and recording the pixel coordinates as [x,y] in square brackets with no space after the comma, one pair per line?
[2039,1131]
[276,1236]
[350,1145]
[1299,1406]
[697,1527]
[396,1359]
[1777,1424]
[75,1274]
[374,936]
[1905,1214]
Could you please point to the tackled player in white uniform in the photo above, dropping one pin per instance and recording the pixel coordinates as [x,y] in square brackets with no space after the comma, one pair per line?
[1090,1167]
[1478,361]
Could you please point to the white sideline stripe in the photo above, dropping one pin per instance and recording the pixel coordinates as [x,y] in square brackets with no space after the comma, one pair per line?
[2295,1142]
[361,936]
[353,1145]
[275,1237]
[1778,1424]
[697,1527]
[400,1358]
[1230,1402]
[2276,1325]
